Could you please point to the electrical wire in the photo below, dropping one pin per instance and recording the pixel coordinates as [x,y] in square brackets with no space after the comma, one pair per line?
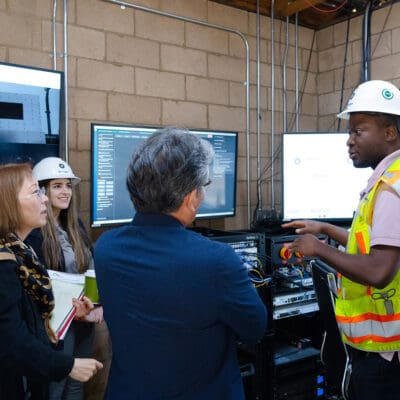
[290,126]
[372,53]
[258,278]
[322,10]
[383,27]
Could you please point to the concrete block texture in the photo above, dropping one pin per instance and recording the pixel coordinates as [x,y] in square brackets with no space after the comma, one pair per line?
[229,17]
[78,161]
[86,43]
[226,118]
[129,50]
[105,16]
[325,38]
[82,131]
[229,68]
[191,9]
[20,31]
[87,104]
[159,28]
[381,44]
[386,68]
[206,38]
[37,58]
[183,60]
[34,8]
[213,91]
[134,109]
[386,18]
[329,103]
[105,76]
[332,58]
[184,114]
[395,40]
[3,53]
[160,84]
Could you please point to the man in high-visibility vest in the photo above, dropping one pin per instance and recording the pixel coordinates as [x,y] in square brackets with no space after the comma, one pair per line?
[368,303]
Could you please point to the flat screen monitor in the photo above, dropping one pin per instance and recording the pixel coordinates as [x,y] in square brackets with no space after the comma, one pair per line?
[319,180]
[112,147]
[30,113]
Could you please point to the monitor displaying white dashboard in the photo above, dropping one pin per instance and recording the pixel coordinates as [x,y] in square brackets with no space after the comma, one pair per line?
[112,147]
[31,114]
[319,180]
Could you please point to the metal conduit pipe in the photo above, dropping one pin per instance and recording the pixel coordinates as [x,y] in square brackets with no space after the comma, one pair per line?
[272,104]
[54,27]
[297,68]
[284,79]
[259,196]
[247,81]
[65,144]
[66,136]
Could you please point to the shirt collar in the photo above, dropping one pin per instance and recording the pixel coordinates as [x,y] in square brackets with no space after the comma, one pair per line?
[155,220]
[379,170]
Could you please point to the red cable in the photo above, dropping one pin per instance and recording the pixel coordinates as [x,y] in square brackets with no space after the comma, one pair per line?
[325,10]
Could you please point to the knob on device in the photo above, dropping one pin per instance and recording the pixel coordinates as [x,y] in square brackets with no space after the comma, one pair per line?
[285,253]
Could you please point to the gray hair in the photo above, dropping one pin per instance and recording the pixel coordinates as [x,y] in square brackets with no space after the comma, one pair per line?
[166,167]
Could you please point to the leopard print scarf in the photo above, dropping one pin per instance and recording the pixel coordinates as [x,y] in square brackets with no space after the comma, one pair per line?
[34,278]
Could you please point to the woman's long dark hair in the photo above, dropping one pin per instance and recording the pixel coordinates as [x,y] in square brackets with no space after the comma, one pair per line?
[80,242]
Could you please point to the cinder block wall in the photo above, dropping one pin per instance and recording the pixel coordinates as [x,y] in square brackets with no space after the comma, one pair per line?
[133,67]
[385,60]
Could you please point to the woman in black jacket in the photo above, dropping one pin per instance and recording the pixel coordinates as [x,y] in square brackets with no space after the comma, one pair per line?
[28,358]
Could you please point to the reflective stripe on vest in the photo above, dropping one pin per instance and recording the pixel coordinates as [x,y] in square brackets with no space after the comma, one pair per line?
[369,318]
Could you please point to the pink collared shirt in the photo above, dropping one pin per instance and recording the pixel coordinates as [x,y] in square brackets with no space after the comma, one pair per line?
[385,229]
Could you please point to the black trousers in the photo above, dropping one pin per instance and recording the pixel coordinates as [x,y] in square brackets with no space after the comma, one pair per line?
[374,378]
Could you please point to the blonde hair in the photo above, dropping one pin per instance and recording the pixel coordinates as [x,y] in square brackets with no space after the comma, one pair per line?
[80,242]
[12,178]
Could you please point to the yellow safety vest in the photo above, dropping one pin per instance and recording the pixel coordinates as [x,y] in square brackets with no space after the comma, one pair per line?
[369,318]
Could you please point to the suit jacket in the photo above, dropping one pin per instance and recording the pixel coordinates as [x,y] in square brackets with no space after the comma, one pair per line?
[25,349]
[175,303]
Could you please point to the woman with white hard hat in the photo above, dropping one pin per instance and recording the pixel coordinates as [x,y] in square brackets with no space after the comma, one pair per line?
[63,245]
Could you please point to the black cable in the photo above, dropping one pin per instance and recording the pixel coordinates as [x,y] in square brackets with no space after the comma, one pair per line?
[344,66]
[366,40]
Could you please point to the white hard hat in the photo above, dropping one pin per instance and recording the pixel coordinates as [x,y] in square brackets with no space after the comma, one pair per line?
[373,96]
[54,168]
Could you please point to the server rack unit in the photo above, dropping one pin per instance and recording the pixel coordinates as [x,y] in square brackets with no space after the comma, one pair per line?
[297,330]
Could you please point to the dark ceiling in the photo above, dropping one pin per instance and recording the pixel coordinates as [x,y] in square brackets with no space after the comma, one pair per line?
[314,14]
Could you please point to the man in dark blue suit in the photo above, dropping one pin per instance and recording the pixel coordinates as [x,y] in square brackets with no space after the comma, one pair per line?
[175,302]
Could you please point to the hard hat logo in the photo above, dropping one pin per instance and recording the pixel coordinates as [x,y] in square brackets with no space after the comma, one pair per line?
[61,165]
[387,94]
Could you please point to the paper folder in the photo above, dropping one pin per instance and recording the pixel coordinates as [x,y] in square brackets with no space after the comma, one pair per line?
[65,287]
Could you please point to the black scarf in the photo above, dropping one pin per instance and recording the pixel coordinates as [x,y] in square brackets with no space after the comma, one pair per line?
[34,277]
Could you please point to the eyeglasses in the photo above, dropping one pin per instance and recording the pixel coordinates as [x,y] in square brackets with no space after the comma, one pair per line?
[40,192]
[207,183]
